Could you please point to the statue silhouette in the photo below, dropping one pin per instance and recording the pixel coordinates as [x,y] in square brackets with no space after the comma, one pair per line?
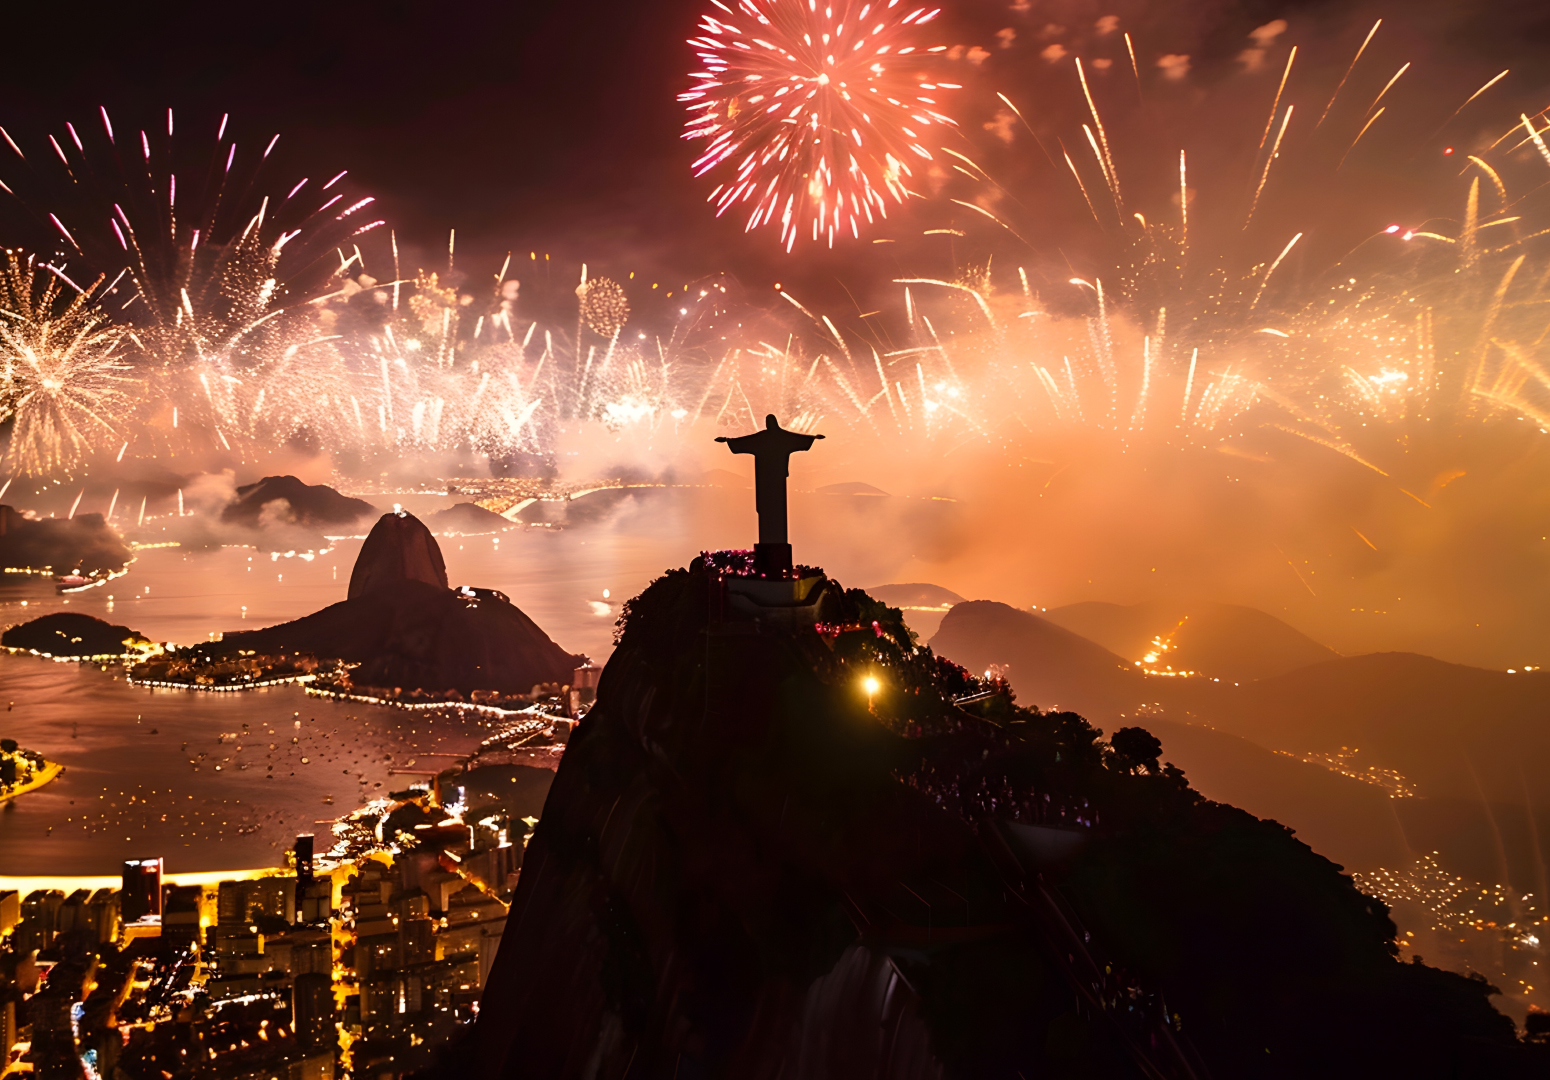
[771,449]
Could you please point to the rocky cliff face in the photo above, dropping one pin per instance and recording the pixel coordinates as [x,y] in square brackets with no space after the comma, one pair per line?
[399,548]
[756,863]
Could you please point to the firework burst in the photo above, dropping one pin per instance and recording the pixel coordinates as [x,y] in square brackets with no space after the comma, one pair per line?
[211,261]
[817,109]
[62,379]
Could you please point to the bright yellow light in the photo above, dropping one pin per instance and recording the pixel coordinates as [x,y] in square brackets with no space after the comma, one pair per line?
[871,685]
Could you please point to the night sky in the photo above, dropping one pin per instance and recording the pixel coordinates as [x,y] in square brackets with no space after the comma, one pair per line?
[551,124]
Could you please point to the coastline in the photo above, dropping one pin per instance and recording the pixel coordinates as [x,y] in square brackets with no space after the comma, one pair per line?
[50,770]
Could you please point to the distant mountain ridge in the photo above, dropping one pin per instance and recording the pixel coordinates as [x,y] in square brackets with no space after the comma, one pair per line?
[1473,744]
[306,504]
[1047,664]
[1222,640]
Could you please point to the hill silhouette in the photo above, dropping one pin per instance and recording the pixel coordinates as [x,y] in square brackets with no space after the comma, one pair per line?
[406,630]
[915,594]
[71,634]
[1346,820]
[1050,665]
[1223,640]
[286,500]
[84,544]
[466,519]
[923,604]
[1449,728]
[750,866]
[1471,744]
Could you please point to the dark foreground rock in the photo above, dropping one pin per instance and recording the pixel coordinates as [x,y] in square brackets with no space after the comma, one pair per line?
[83,544]
[753,864]
[285,500]
[71,634]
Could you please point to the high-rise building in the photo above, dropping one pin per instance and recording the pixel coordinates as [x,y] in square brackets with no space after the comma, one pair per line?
[180,914]
[102,911]
[231,903]
[583,687]
[141,894]
[312,1003]
[272,896]
[8,1032]
[10,910]
[304,875]
[304,858]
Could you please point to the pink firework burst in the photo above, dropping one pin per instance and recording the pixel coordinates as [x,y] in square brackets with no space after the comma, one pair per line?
[816,107]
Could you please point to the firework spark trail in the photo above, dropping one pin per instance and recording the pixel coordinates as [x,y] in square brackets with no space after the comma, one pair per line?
[1488,84]
[1341,84]
[986,213]
[815,110]
[1371,120]
[979,298]
[1265,175]
[1276,104]
[1085,197]
[62,378]
[1189,384]
[1388,86]
[219,276]
[1135,69]
[1106,159]
[1183,204]
[1539,142]
[1138,420]
[1265,281]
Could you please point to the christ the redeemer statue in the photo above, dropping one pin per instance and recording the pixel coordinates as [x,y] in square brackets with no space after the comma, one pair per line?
[771,449]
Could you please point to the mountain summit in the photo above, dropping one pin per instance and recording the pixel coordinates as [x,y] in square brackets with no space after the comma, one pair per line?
[795,844]
[402,628]
[399,548]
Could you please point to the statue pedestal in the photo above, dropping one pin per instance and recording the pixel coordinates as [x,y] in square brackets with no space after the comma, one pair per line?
[772,559]
[779,601]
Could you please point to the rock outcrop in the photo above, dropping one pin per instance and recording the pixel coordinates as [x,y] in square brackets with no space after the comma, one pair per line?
[823,852]
[404,629]
[398,549]
[1219,640]
[418,636]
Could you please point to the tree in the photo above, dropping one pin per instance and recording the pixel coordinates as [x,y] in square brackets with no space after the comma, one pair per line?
[1135,747]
